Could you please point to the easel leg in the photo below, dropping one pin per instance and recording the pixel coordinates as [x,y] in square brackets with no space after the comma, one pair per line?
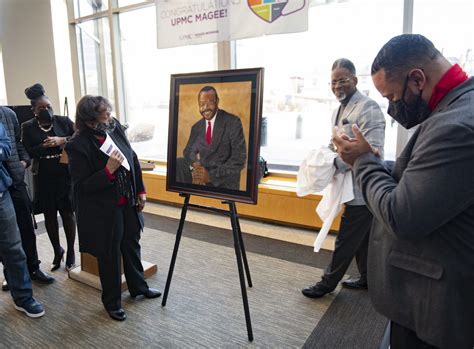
[237,247]
[175,250]
[242,247]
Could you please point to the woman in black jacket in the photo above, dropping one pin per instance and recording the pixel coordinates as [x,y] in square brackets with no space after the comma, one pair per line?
[44,138]
[109,197]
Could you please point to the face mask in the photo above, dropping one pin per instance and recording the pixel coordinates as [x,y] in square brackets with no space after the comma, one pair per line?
[409,115]
[105,127]
[46,115]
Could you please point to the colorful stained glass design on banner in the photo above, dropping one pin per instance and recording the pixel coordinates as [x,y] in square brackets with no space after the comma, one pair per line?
[268,10]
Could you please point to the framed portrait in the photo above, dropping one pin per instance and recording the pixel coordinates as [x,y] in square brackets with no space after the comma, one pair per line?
[214,134]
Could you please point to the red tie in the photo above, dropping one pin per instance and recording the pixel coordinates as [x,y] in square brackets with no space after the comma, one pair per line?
[208,133]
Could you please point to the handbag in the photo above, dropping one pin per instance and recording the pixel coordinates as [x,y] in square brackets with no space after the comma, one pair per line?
[63,158]
[262,169]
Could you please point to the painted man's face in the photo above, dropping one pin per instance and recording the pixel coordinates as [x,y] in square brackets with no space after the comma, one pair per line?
[208,103]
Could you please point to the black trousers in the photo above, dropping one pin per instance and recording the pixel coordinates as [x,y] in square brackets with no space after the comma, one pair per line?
[22,205]
[125,244]
[404,338]
[352,240]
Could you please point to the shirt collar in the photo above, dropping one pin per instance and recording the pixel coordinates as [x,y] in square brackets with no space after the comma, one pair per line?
[452,78]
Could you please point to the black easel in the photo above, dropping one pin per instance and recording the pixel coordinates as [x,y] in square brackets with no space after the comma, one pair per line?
[239,252]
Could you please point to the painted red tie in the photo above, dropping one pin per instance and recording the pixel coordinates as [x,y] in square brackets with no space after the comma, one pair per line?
[208,133]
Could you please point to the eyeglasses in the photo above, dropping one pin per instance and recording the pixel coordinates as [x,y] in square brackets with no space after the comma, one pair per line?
[341,82]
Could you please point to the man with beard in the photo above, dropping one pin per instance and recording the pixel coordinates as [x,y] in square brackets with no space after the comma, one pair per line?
[216,151]
[352,239]
[421,265]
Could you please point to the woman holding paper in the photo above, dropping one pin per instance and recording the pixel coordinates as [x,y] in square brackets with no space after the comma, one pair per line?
[44,138]
[109,197]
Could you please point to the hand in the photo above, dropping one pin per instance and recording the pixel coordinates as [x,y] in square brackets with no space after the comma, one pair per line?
[348,148]
[114,162]
[54,142]
[24,163]
[141,201]
[200,174]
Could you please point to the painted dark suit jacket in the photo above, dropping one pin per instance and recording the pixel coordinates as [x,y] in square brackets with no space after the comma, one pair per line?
[226,155]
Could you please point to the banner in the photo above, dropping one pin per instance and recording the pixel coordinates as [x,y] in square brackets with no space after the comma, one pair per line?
[190,22]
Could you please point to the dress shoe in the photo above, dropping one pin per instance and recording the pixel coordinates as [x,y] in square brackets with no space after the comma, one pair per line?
[118,315]
[316,291]
[70,260]
[41,276]
[58,257]
[5,286]
[356,284]
[149,293]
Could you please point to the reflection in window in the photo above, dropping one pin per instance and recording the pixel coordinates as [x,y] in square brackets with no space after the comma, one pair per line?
[298,101]
[95,58]
[146,74]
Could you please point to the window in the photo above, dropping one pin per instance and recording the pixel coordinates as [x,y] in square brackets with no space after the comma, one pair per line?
[456,39]
[131,2]
[95,58]
[88,7]
[146,75]
[298,102]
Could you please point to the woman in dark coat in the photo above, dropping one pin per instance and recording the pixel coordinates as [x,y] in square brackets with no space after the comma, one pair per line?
[109,197]
[44,137]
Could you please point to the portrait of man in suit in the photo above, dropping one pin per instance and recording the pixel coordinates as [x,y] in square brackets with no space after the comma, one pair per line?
[216,151]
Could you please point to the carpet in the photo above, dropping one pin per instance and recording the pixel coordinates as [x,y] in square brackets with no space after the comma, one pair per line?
[204,307]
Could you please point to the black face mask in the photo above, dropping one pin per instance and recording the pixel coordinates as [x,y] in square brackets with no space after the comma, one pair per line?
[46,116]
[409,115]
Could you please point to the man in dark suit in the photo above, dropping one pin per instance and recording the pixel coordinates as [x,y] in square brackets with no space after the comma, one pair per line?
[216,151]
[421,264]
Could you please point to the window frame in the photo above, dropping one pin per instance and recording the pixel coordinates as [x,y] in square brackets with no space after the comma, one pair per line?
[226,57]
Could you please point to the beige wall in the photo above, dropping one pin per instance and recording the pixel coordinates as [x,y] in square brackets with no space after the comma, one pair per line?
[35,50]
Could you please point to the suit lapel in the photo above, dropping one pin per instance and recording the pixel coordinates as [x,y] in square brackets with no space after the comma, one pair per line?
[121,144]
[351,105]
[58,127]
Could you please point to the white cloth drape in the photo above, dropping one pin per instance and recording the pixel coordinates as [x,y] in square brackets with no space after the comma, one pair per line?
[316,174]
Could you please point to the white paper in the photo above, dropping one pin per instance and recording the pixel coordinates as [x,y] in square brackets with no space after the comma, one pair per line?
[109,146]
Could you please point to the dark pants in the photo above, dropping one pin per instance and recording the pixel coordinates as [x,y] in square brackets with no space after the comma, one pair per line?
[404,338]
[12,254]
[352,240]
[22,205]
[125,244]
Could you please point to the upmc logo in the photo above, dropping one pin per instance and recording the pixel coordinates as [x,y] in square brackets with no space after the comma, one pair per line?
[271,10]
